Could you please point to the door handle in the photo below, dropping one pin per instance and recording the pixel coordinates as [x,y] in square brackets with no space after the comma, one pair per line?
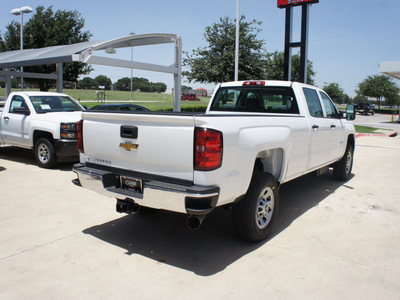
[333,126]
[6,118]
[315,127]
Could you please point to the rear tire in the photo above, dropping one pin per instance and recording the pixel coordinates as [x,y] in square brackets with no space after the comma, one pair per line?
[256,213]
[45,153]
[342,168]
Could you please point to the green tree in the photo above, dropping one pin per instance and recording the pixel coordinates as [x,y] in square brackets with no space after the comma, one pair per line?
[379,87]
[48,28]
[186,89]
[393,100]
[158,87]
[142,84]
[87,83]
[336,93]
[104,81]
[123,84]
[359,98]
[216,62]
[275,67]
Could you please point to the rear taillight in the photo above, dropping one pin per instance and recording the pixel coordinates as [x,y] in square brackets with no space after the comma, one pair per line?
[79,135]
[207,149]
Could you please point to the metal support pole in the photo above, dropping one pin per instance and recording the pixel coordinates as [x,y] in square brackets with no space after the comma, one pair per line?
[59,71]
[287,74]
[8,85]
[237,40]
[178,74]
[132,33]
[22,47]
[131,74]
[304,43]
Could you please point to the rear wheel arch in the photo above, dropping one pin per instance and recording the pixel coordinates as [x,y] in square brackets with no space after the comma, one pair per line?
[269,161]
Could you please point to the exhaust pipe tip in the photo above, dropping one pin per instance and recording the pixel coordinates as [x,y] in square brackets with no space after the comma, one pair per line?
[194,222]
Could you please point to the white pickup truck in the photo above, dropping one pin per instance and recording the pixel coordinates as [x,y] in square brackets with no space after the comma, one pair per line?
[254,136]
[45,122]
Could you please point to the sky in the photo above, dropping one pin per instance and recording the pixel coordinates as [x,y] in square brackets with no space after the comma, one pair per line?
[347,39]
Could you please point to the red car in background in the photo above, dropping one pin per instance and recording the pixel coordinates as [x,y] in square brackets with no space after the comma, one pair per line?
[189,97]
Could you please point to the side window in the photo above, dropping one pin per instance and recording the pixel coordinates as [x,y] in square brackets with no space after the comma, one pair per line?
[330,108]
[313,103]
[17,101]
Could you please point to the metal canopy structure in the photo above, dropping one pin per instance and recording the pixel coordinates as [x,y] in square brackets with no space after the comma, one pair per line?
[391,68]
[84,52]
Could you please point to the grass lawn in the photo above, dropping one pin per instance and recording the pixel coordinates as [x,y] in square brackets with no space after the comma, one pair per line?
[367,129]
[152,101]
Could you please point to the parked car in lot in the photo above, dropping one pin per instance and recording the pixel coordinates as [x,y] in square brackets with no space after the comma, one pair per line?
[365,108]
[254,136]
[120,107]
[42,121]
[189,97]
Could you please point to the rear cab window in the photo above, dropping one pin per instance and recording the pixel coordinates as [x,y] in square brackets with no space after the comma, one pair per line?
[258,99]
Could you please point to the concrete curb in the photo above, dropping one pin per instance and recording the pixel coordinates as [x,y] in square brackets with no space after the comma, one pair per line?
[393,134]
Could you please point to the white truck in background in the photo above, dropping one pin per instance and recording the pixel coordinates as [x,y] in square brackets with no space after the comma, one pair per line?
[42,121]
[254,136]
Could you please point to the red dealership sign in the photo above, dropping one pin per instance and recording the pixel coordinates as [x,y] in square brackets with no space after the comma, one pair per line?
[285,3]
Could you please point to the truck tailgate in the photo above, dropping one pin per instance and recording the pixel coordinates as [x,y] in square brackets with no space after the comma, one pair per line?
[163,145]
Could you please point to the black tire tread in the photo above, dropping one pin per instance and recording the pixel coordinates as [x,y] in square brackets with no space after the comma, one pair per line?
[53,159]
[244,209]
[339,168]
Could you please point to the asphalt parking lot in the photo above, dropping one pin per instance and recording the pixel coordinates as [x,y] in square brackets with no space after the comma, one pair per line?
[334,240]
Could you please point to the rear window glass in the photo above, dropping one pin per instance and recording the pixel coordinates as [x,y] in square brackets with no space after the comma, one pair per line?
[279,100]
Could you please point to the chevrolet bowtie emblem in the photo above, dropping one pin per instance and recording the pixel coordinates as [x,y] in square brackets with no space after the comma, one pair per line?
[128,146]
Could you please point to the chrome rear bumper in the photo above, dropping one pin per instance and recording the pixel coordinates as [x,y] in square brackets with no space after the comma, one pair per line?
[190,199]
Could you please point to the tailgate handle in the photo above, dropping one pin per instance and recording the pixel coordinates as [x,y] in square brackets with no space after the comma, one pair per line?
[130,132]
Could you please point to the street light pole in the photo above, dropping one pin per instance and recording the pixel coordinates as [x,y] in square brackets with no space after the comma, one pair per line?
[237,40]
[17,12]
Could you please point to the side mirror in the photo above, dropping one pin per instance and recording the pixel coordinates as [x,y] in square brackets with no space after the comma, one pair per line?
[350,112]
[22,111]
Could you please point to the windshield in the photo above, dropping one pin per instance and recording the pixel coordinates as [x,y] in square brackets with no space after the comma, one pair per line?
[47,103]
[263,99]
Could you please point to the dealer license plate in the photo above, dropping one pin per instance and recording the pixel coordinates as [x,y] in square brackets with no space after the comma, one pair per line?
[132,184]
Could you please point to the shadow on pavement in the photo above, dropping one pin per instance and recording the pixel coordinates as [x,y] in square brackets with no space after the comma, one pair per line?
[164,237]
[17,154]
[27,156]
